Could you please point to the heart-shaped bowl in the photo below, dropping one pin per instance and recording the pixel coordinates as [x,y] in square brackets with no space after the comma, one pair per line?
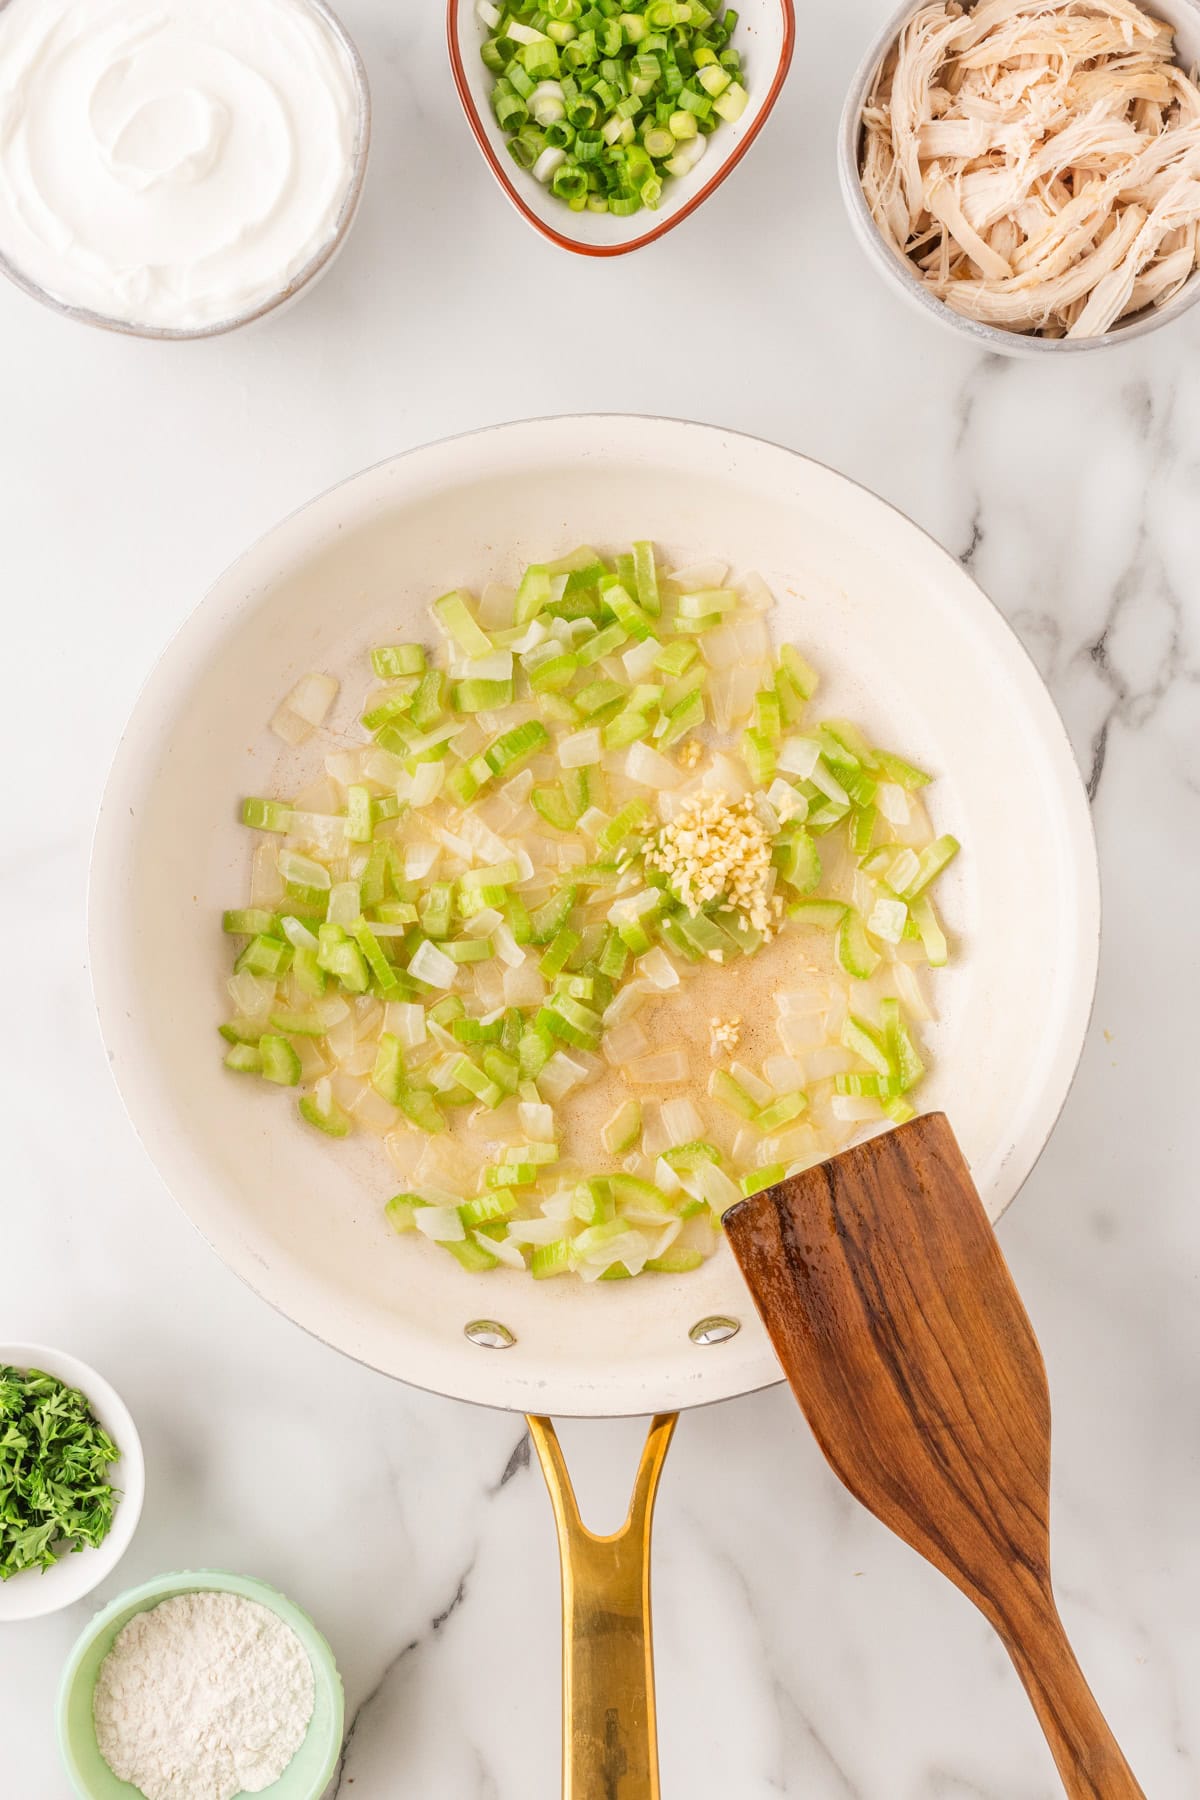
[766,34]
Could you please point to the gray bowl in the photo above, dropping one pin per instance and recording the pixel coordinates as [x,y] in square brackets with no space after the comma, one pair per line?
[1184,16]
[316,265]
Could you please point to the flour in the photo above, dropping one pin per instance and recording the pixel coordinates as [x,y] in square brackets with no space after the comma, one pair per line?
[203,1697]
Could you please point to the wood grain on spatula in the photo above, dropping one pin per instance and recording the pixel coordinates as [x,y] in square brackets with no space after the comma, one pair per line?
[893,1313]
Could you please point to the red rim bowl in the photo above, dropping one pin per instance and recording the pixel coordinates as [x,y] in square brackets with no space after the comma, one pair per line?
[766,35]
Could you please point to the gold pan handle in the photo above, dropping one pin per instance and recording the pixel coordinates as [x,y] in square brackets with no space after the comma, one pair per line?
[610,1739]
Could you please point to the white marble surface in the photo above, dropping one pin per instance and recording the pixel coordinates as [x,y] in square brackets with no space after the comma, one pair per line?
[801,1650]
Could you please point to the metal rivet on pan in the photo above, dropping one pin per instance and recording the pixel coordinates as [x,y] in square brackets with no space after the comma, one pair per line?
[490,1334]
[714,1331]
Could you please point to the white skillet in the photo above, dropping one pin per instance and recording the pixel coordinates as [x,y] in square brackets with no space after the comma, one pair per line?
[905,641]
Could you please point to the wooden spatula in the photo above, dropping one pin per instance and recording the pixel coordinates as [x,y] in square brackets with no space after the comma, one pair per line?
[891,1308]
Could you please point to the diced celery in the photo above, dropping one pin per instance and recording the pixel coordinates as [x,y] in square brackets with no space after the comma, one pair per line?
[359,824]
[551,804]
[756,1180]
[931,933]
[244,1059]
[295,1024]
[723,1087]
[549,1260]
[677,1260]
[902,1051]
[855,951]
[486,1209]
[419,1106]
[267,815]
[453,613]
[796,857]
[331,1119]
[388,1076]
[472,1255]
[605,641]
[825,915]
[868,1044]
[504,1072]
[687,716]
[801,675]
[684,1158]
[391,660]
[481,696]
[623,1130]
[930,863]
[549,919]
[563,944]
[904,774]
[280,1063]
[401,1210]
[250,921]
[645,576]
[781,1112]
[265,956]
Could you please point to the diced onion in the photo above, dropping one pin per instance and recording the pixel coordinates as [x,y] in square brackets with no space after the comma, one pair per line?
[312,697]
[524,985]
[662,1069]
[581,749]
[537,1121]
[657,968]
[559,1076]
[754,1085]
[799,756]
[784,1073]
[289,728]
[650,768]
[622,1043]
[432,965]
[405,1019]
[681,1122]
[716,1187]
[441,1223]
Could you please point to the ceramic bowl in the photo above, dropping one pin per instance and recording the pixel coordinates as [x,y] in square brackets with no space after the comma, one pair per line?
[765,35]
[310,1770]
[904,640]
[36,1592]
[1184,15]
[303,279]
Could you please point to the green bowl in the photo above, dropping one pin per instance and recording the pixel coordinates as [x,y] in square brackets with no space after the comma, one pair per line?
[310,1770]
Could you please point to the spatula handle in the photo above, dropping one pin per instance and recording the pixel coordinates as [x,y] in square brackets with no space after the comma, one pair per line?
[1089,1758]
[610,1741]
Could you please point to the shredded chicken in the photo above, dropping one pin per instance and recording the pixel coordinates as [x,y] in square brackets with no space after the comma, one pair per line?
[1037,162]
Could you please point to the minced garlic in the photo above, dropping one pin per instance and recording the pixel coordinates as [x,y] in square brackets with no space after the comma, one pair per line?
[715,849]
[690,753]
[724,1034]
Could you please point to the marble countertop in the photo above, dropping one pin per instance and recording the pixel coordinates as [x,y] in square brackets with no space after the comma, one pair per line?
[801,1650]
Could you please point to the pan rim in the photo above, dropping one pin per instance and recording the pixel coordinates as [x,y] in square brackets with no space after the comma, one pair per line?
[211,619]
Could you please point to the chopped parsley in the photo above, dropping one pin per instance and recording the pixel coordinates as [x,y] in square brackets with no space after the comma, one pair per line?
[54,1457]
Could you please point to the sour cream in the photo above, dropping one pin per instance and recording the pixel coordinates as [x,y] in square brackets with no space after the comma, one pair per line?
[171,163]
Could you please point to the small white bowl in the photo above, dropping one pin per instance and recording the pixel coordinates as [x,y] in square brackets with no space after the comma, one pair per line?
[1183,15]
[317,265]
[35,1592]
[766,36]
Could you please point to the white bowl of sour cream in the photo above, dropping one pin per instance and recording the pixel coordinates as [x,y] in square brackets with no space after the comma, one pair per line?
[176,168]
